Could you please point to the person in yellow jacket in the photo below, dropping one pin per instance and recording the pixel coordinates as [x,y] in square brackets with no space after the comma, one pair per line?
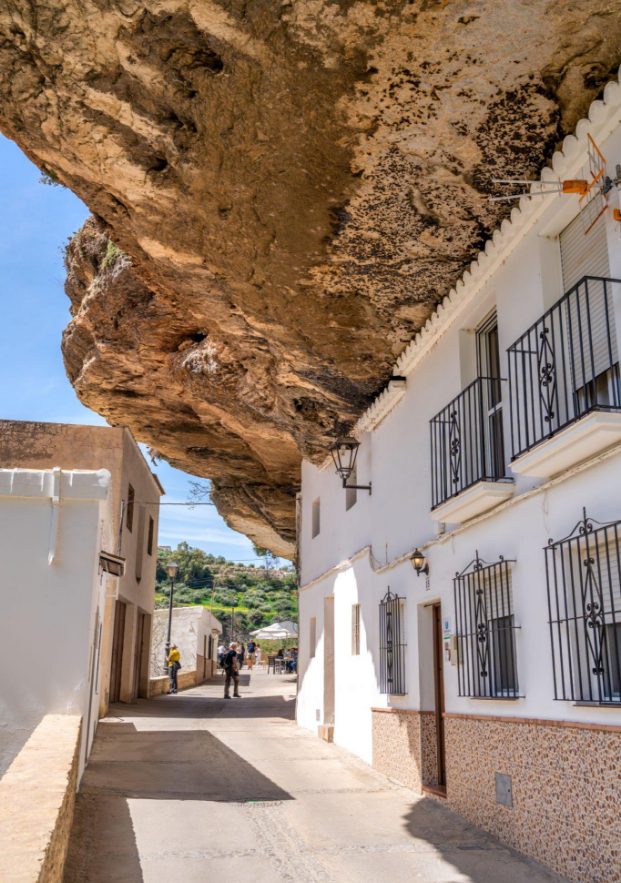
[172,660]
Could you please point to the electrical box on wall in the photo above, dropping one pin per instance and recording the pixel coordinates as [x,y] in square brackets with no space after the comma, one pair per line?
[504,791]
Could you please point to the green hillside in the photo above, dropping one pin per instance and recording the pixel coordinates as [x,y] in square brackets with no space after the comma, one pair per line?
[254,595]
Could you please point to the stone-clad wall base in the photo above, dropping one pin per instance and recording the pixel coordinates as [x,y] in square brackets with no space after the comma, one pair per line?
[566,785]
[566,782]
[404,746]
[396,745]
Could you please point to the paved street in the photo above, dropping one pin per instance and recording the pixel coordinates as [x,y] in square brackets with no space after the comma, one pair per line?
[191,788]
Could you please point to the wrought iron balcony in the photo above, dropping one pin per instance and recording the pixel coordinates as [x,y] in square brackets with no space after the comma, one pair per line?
[565,365]
[467,443]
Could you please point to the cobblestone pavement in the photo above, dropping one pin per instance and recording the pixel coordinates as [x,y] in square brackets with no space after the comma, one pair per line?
[193,788]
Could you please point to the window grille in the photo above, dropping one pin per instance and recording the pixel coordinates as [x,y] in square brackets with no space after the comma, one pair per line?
[392,644]
[583,573]
[485,628]
[355,629]
[467,443]
[565,365]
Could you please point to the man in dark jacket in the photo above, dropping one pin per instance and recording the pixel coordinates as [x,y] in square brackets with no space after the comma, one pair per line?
[231,672]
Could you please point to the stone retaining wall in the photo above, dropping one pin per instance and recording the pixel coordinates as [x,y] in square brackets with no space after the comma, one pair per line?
[185,679]
[37,799]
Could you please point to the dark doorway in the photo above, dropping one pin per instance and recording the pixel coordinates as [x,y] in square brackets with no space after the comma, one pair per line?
[438,678]
[138,654]
[116,666]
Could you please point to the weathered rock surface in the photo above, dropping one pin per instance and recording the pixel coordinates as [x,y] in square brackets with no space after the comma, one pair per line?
[294,184]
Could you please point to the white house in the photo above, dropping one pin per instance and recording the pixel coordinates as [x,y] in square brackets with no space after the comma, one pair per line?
[52,597]
[195,631]
[492,681]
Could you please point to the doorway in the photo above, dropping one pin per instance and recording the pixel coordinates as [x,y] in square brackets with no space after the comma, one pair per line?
[431,668]
[116,665]
[138,654]
[438,685]
[328,662]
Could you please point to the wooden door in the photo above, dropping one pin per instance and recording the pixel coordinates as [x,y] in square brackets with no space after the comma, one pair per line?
[116,665]
[438,677]
[138,651]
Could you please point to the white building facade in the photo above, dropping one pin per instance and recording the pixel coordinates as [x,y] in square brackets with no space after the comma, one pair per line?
[195,631]
[52,593]
[494,680]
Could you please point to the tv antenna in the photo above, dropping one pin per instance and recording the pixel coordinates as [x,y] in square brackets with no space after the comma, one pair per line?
[593,190]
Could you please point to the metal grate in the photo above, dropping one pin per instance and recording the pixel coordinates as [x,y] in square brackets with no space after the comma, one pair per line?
[467,440]
[565,365]
[583,573]
[392,645]
[486,630]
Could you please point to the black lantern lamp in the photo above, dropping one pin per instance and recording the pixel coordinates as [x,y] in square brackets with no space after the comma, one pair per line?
[344,453]
[419,563]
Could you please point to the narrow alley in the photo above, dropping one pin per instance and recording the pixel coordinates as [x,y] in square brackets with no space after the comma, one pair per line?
[193,788]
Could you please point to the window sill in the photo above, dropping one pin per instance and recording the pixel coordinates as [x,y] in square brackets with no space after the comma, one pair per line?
[496,698]
[614,703]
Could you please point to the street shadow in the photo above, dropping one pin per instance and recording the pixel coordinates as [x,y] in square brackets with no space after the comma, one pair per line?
[172,765]
[472,851]
[192,705]
[127,769]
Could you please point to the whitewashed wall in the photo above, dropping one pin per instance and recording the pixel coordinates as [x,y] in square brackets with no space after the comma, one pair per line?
[395,456]
[49,608]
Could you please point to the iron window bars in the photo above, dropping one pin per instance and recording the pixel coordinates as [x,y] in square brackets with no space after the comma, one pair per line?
[583,574]
[392,645]
[564,365]
[467,440]
[485,627]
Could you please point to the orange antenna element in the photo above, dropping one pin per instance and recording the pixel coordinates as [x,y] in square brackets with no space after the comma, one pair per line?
[597,162]
[578,186]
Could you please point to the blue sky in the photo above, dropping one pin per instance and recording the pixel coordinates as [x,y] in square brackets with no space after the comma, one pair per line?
[35,223]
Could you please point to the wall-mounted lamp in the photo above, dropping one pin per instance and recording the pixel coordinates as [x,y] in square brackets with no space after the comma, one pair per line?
[419,563]
[344,453]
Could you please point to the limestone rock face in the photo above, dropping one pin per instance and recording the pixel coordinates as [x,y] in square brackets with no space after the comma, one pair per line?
[291,186]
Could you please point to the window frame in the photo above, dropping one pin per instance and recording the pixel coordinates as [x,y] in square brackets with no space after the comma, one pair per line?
[355,629]
[150,535]
[129,509]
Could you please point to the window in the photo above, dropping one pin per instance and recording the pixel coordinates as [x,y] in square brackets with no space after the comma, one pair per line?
[129,512]
[485,628]
[150,536]
[316,518]
[488,364]
[312,636]
[392,644]
[583,573]
[355,629]
[351,494]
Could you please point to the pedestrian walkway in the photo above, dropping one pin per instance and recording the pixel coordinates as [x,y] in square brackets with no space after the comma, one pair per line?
[193,788]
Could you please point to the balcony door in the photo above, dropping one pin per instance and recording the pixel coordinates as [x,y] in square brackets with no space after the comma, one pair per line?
[591,332]
[488,368]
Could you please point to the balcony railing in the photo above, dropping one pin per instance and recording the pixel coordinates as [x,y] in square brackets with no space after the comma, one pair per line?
[565,365]
[467,440]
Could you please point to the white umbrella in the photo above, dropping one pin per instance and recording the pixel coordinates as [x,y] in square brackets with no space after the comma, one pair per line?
[277,631]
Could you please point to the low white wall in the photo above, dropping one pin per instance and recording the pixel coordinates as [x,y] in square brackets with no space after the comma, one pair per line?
[49,595]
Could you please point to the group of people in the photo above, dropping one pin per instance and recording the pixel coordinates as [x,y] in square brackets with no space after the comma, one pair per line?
[232,659]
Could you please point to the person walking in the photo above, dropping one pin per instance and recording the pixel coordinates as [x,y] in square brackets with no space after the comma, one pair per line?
[251,653]
[231,672]
[172,660]
[257,654]
[241,655]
